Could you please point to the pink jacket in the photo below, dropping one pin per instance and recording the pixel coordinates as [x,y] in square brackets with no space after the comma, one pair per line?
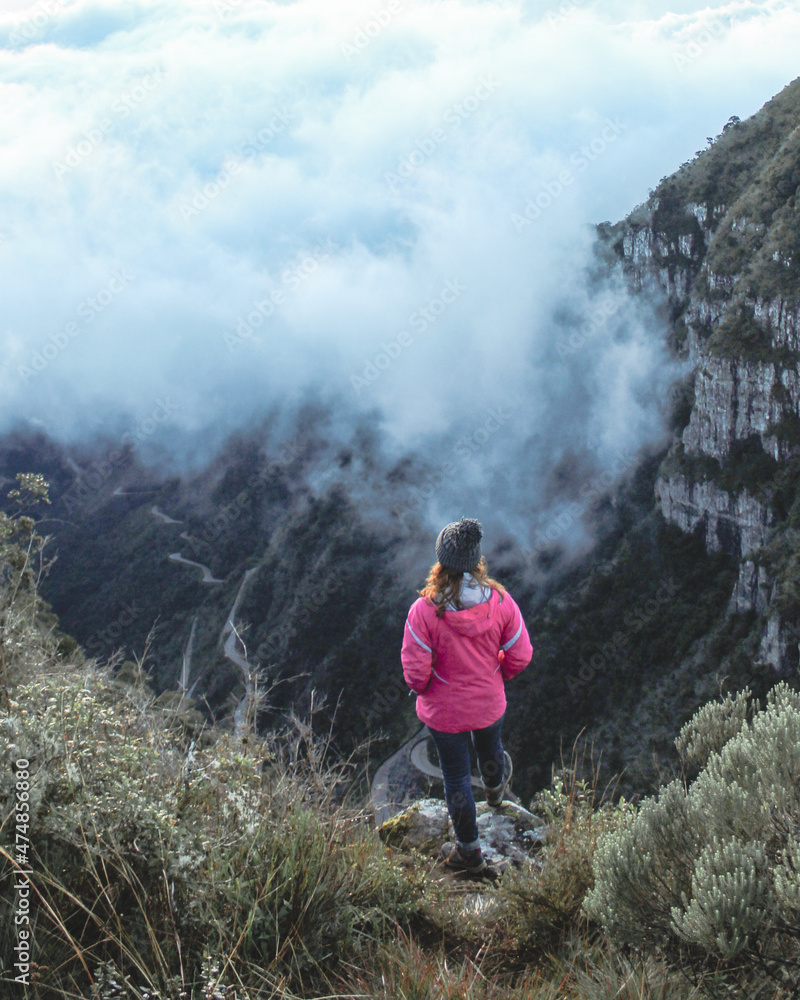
[458,664]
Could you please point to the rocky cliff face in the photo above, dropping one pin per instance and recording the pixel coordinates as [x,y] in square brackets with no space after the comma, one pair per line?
[720,241]
[733,522]
[736,399]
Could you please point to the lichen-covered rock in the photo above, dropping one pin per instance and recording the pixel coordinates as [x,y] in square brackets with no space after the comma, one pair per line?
[508,833]
[423,826]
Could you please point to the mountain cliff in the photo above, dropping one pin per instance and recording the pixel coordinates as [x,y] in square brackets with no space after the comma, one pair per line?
[693,583]
[720,240]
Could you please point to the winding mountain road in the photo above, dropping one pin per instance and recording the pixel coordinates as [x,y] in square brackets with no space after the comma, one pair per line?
[412,754]
[186,667]
[422,762]
[164,517]
[385,805]
[208,576]
[229,638]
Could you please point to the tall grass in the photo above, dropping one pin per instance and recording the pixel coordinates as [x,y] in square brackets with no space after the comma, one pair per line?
[155,857]
[527,940]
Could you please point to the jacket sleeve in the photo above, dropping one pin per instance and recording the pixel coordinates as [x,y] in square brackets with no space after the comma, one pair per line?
[417,653]
[515,643]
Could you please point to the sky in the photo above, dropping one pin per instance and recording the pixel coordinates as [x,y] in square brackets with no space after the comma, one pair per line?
[210,209]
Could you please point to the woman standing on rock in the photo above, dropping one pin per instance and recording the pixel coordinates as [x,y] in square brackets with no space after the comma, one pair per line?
[464,637]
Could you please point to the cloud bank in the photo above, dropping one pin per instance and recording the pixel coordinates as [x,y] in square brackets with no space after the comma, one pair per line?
[221,208]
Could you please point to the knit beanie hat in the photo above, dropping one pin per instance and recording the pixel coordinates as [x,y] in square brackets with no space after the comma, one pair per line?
[459,544]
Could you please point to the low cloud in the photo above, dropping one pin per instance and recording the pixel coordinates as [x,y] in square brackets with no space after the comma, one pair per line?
[271,201]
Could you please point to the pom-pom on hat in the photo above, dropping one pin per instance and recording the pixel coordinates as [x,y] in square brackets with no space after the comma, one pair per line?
[459,544]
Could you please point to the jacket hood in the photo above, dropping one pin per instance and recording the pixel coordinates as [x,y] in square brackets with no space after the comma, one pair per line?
[470,593]
[474,620]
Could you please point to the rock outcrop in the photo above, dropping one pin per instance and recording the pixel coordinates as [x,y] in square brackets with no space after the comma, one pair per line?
[735,400]
[752,589]
[508,833]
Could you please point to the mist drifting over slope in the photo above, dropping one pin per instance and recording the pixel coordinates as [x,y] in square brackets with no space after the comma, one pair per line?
[215,210]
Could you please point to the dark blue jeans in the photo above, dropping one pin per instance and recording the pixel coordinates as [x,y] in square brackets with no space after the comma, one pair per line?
[454,760]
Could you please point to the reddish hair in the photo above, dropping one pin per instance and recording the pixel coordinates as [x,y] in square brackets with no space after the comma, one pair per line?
[443,585]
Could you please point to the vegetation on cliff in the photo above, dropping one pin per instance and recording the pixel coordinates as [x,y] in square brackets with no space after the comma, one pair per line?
[730,217]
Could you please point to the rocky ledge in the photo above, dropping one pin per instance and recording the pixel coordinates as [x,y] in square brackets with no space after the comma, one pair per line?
[509,834]
[733,523]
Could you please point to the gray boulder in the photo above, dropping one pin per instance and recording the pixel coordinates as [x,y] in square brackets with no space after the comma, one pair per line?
[508,833]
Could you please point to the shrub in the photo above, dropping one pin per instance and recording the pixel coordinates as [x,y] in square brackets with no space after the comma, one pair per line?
[153,854]
[711,873]
[711,727]
[542,901]
[403,970]
[602,973]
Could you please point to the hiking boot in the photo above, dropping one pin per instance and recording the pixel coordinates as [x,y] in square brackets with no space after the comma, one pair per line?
[460,860]
[494,796]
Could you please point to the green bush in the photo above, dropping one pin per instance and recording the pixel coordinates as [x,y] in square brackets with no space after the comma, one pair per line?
[712,872]
[542,905]
[711,727]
